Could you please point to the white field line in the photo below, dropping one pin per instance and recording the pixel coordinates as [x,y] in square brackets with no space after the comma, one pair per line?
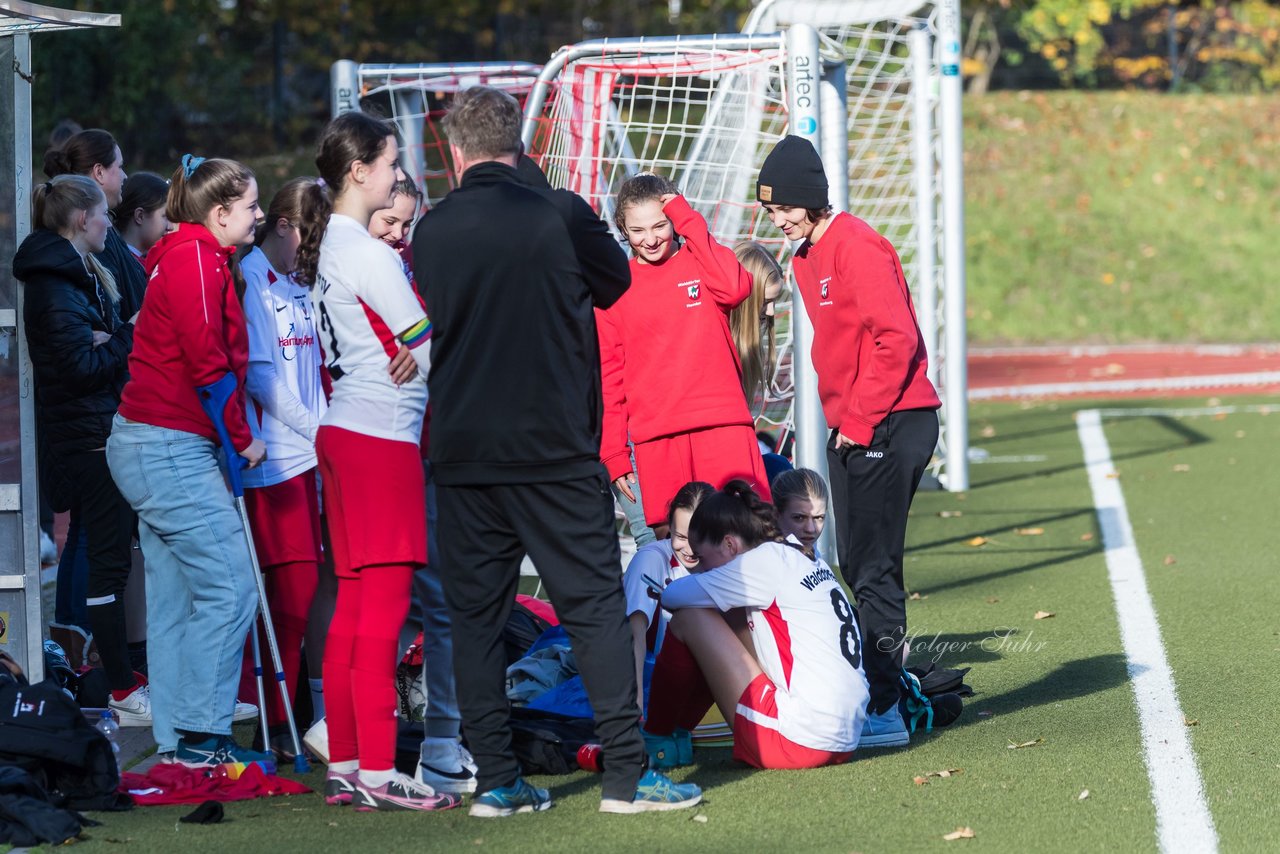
[1077,351]
[1189,411]
[1183,821]
[1153,384]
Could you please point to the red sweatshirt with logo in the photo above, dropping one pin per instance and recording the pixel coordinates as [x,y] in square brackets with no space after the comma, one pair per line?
[190,332]
[867,347]
[668,362]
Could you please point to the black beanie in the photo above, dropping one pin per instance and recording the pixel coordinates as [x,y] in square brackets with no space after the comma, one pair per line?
[792,175]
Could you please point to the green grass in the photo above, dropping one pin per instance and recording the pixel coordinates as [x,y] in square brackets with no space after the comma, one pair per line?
[1061,679]
[1119,217]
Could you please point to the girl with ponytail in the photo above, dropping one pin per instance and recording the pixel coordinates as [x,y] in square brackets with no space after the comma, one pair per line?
[79,354]
[367,446]
[163,453]
[95,154]
[789,677]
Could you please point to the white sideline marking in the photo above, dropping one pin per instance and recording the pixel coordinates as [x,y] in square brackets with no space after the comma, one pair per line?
[1183,821]
[1133,385]
[1188,412]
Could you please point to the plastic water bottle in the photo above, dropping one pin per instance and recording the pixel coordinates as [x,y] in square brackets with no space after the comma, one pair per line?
[107,726]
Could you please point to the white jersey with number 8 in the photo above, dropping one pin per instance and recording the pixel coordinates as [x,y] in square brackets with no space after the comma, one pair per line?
[806,639]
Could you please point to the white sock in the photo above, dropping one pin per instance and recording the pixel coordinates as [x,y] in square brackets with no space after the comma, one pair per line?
[374,779]
[317,700]
[348,767]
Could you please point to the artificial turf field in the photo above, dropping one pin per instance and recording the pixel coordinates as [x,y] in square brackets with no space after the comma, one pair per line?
[1024,539]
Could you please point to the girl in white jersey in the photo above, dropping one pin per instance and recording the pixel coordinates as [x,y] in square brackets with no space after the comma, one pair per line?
[789,682]
[285,401]
[367,446]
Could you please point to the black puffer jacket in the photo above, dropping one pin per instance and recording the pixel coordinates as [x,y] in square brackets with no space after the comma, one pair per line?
[77,385]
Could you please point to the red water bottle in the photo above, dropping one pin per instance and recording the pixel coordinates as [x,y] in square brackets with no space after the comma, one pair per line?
[591,757]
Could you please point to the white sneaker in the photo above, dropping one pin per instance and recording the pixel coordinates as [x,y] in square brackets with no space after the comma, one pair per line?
[446,766]
[135,709]
[244,712]
[48,550]
[317,740]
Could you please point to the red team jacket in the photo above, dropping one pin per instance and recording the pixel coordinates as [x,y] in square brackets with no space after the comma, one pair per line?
[867,347]
[668,363]
[190,332]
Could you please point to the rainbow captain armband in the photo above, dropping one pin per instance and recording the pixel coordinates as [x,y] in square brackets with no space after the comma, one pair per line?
[418,334]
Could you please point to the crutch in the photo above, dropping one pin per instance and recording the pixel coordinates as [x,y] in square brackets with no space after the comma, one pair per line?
[214,398]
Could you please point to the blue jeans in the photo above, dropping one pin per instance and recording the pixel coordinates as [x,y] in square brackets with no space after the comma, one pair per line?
[69,607]
[634,510]
[443,720]
[201,596]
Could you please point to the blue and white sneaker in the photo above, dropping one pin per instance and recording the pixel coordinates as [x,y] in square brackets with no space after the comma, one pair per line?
[509,800]
[655,793]
[222,752]
[886,729]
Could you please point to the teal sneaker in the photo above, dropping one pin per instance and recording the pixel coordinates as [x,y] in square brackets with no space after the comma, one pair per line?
[222,752]
[886,729]
[509,800]
[655,793]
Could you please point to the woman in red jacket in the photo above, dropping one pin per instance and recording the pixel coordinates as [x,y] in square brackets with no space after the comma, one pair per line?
[163,455]
[879,404]
[671,378]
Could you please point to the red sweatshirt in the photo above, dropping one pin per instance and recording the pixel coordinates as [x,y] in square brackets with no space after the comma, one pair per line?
[190,332]
[867,347]
[668,362]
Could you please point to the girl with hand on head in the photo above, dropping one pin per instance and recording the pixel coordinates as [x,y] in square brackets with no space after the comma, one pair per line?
[670,330]
[285,399]
[164,456]
[95,154]
[140,216]
[367,446]
[789,680]
[79,352]
[882,409]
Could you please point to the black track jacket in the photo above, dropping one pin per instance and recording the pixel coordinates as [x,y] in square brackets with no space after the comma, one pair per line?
[510,275]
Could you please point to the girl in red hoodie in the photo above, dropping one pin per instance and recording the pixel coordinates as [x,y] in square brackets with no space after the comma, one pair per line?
[671,378]
[164,457]
[878,402]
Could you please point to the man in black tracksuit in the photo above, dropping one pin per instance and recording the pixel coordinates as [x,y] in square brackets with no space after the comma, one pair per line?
[511,274]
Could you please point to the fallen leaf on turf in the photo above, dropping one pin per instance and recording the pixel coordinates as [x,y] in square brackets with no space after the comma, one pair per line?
[333,824]
[960,833]
[1182,467]
[1029,532]
[977,541]
[950,514]
[1213,401]
[917,597]
[985,713]
[945,772]
[920,781]
[1239,434]
[1084,796]
[700,818]
[1113,475]
[1170,560]
[1044,615]
[1086,537]
[1221,416]
[1190,721]
[1013,745]
[991,600]
[988,432]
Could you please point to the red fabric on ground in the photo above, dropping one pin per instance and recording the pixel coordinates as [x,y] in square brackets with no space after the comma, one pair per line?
[179,784]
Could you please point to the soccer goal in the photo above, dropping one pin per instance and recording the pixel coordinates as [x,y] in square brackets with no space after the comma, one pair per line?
[416,97]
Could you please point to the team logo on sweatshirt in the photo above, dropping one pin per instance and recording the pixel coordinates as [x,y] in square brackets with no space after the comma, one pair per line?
[826,287]
[824,291]
[693,290]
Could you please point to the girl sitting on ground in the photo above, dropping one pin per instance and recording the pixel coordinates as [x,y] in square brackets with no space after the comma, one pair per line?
[788,679]
[670,330]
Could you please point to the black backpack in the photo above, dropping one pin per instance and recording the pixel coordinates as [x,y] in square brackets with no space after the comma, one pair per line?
[43,731]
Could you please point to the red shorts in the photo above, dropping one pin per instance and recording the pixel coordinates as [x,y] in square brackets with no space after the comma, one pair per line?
[716,455]
[285,520]
[375,500]
[756,740]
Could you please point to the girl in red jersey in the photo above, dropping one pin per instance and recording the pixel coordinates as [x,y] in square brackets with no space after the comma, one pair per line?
[367,446]
[162,454]
[670,330]
[789,679]
[285,403]
[881,407]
